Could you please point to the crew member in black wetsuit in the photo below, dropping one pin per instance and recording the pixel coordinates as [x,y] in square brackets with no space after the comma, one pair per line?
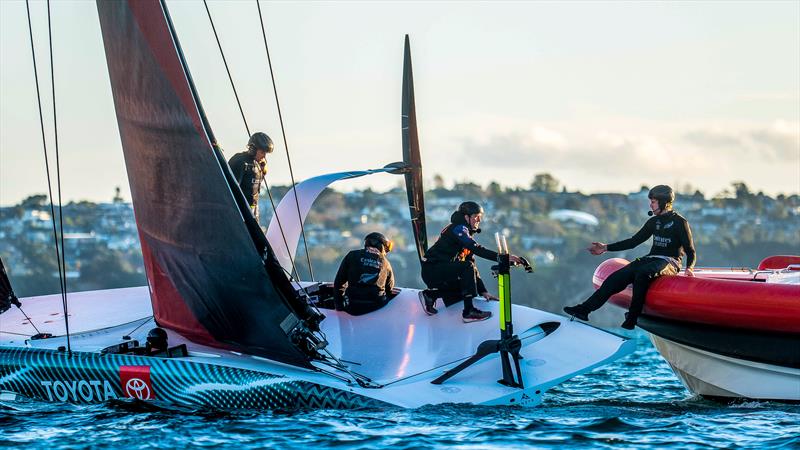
[672,238]
[250,167]
[365,277]
[450,263]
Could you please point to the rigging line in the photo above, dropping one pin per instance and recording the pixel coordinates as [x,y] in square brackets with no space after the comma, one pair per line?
[29,321]
[128,334]
[64,301]
[356,378]
[294,273]
[44,147]
[225,61]
[285,143]
[247,127]
[15,334]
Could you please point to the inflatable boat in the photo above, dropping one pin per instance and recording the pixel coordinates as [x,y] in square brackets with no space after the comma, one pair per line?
[726,332]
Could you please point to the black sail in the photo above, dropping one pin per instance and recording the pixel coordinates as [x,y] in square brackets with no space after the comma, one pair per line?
[207,278]
[411,157]
[7,297]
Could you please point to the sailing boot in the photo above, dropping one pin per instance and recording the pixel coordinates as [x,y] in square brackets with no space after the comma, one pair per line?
[578,312]
[630,321]
[427,300]
[475,315]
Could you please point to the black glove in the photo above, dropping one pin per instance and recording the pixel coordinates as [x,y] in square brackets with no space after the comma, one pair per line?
[340,302]
[314,320]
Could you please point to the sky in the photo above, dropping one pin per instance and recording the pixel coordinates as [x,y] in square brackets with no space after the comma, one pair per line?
[605,96]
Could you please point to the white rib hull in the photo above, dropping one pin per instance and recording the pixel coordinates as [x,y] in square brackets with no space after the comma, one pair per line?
[713,375]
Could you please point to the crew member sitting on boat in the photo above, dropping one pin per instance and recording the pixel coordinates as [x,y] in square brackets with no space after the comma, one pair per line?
[365,277]
[250,167]
[672,238]
[449,265]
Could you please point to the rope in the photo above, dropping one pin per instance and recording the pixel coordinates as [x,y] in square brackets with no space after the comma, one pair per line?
[247,127]
[225,61]
[285,143]
[58,184]
[17,334]
[29,320]
[139,326]
[61,273]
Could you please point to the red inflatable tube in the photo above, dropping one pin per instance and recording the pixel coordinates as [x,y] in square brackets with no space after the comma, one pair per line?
[729,303]
[779,262]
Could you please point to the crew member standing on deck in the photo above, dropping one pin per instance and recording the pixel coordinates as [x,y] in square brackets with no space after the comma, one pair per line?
[672,238]
[250,167]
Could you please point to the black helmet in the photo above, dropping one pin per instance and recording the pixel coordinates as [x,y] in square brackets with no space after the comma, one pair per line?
[663,193]
[157,338]
[260,141]
[377,240]
[470,208]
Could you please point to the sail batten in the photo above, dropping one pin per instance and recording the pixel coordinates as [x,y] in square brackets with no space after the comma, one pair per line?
[205,268]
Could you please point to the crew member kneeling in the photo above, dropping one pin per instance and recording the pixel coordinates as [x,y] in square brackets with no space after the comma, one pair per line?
[365,277]
[671,239]
[450,265]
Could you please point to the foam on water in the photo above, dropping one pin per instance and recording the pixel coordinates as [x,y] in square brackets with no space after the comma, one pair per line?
[636,402]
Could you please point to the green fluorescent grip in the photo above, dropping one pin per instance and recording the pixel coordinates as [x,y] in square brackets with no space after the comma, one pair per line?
[507,293]
[502,293]
[504,289]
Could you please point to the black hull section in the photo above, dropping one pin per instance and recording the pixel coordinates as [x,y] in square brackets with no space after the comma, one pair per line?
[84,378]
[779,349]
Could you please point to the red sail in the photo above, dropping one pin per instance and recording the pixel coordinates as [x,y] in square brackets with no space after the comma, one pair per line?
[207,279]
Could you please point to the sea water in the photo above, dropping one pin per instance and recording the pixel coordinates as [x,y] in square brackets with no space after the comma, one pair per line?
[636,402]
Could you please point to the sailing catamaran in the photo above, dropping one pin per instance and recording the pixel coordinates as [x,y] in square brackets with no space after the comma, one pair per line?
[241,333]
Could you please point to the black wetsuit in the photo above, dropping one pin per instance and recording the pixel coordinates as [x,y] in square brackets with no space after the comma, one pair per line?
[248,173]
[449,264]
[363,279]
[672,238]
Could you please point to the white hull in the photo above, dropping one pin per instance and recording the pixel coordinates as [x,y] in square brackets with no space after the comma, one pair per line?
[714,375]
[398,347]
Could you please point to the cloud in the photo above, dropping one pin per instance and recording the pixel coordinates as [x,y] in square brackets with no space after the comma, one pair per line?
[622,156]
[544,147]
[777,142]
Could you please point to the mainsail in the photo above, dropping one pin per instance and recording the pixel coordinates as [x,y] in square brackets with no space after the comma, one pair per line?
[202,255]
[411,157]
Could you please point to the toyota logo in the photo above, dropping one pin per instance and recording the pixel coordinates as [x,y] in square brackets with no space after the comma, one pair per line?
[137,388]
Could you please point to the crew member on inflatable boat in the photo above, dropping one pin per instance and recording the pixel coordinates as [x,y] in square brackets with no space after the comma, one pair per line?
[250,167]
[449,264]
[672,238]
[365,277]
